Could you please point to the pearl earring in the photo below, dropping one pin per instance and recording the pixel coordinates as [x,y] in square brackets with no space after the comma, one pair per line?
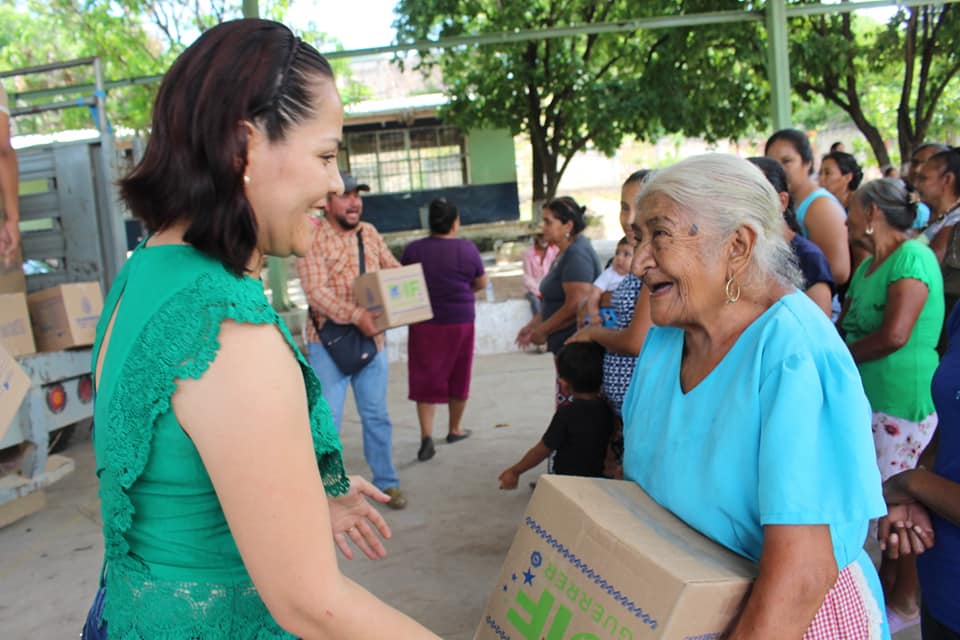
[246,179]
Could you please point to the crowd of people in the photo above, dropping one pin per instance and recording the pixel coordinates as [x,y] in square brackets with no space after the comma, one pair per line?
[741,291]
[733,349]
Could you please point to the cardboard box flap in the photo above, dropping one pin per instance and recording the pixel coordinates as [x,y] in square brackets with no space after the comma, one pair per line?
[630,516]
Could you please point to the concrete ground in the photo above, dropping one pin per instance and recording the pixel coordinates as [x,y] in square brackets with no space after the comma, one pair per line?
[447,546]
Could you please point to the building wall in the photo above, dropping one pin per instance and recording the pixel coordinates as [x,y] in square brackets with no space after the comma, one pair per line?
[491,155]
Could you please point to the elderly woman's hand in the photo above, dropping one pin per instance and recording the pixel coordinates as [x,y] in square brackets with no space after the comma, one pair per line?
[353,518]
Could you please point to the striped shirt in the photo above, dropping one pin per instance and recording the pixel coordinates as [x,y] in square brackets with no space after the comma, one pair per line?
[330,267]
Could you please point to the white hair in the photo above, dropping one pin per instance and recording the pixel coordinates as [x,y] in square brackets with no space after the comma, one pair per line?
[723,193]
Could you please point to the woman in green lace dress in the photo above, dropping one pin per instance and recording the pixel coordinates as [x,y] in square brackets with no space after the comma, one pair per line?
[221,478]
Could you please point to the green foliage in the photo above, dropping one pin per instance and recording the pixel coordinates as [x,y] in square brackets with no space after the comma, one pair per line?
[134,39]
[571,92]
[893,80]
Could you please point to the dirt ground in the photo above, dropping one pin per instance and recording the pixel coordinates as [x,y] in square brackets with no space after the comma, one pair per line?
[447,545]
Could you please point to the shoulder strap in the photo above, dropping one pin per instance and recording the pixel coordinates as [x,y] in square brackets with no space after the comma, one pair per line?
[360,254]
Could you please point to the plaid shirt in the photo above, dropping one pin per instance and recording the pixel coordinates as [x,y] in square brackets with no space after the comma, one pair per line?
[328,270]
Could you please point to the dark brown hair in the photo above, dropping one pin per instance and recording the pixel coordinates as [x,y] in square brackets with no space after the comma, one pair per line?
[248,70]
[566,209]
[442,215]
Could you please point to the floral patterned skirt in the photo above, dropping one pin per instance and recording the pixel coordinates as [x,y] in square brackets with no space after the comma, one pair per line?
[900,442]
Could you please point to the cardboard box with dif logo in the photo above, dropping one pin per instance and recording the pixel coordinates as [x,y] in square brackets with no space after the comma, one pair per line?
[66,315]
[14,384]
[398,295]
[598,559]
[16,334]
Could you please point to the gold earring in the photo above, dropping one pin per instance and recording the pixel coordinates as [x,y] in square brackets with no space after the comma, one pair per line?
[246,179]
[729,290]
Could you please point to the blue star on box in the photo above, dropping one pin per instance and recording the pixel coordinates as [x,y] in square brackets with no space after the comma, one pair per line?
[528,577]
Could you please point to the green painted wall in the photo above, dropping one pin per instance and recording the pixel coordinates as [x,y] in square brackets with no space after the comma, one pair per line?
[491,156]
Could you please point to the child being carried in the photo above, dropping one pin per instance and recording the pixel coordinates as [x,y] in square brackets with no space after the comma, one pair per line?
[579,432]
[597,309]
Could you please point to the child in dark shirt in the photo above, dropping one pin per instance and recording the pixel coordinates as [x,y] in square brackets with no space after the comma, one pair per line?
[580,431]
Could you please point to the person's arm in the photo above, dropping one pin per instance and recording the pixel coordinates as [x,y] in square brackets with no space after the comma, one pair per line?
[627,341]
[905,300]
[386,258]
[525,335]
[530,280]
[10,231]
[940,242]
[797,570]
[592,305]
[479,283]
[821,295]
[314,281]
[573,294]
[510,476]
[270,489]
[825,222]
[924,486]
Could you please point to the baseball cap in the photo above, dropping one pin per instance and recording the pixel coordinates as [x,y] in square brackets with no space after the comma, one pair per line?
[351,184]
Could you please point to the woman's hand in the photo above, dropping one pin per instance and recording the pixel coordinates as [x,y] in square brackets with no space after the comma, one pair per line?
[905,530]
[537,336]
[584,335]
[525,335]
[352,517]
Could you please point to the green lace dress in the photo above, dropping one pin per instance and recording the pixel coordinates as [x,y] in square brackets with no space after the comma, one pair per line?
[173,571]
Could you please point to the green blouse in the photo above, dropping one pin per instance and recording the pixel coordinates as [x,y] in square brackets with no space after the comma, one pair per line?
[173,571]
[898,384]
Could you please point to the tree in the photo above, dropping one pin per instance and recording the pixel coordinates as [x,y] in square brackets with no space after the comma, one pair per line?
[842,59]
[134,38]
[568,93]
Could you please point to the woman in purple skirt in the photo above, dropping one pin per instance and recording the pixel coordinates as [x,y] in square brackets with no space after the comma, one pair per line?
[440,350]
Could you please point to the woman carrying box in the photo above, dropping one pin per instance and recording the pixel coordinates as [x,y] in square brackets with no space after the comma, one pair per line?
[746,417]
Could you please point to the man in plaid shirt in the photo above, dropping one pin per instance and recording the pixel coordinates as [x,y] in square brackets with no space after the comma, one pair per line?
[327,274]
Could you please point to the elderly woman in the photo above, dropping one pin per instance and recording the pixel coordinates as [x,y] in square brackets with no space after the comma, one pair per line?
[715,435]
[569,281]
[892,320]
[440,350]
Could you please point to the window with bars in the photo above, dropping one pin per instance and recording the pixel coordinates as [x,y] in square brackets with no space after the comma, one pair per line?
[411,159]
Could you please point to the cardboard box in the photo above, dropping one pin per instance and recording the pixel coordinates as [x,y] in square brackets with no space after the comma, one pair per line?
[66,315]
[12,280]
[599,559]
[16,335]
[399,295]
[14,384]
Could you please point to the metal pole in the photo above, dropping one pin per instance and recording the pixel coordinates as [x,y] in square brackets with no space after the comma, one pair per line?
[114,238]
[276,267]
[778,64]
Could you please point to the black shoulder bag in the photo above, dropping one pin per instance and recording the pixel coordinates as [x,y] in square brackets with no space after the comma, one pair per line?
[349,348]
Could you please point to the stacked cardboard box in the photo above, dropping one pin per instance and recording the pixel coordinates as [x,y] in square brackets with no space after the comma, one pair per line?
[66,315]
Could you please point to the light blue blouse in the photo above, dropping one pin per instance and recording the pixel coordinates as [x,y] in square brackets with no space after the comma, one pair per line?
[801,210]
[778,433]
